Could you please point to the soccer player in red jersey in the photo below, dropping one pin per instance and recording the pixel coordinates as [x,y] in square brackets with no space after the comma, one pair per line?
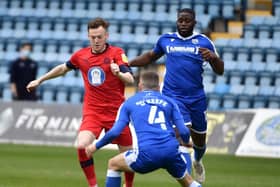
[105,72]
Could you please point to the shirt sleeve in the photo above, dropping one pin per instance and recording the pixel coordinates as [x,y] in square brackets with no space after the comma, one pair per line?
[73,62]
[122,61]
[122,120]
[158,48]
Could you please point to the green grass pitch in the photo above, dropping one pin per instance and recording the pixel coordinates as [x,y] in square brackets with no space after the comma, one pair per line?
[44,166]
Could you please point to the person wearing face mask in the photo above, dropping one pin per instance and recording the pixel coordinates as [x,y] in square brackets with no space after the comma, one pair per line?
[22,71]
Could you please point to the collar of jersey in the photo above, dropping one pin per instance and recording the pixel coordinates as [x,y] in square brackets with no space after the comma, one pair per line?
[107,46]
[187,38]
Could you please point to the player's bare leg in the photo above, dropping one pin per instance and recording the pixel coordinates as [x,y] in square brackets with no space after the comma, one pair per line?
[129,176]
[85,138]
[199,146]
[115,165]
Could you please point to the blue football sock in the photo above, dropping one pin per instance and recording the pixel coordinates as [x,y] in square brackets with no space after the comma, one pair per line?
[113,178]
[187,157]
[199,152]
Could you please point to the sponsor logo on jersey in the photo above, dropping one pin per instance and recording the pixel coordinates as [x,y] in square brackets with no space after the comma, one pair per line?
[182,49]
[96,76]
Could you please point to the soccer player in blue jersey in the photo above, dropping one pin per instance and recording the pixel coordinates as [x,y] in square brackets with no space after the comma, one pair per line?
[152,116]
[186,53]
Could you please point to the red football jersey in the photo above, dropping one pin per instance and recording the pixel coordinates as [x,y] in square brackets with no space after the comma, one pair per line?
[104,92]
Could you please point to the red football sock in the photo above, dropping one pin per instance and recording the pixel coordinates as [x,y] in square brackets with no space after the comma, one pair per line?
[129,176]
[87,166]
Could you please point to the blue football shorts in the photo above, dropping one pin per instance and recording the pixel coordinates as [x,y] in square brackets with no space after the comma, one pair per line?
[148,160]
[194,113]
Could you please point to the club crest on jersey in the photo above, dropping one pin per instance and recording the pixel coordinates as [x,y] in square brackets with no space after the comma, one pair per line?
[195,41]
[96,76]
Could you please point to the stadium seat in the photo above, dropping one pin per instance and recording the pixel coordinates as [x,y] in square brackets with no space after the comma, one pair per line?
[230,65]
[265,43]
[235,77]
[229,53]
[276,8]
[134,10]
[257,55]
[265,78]
[147,7]
[250,78]
[244,102]
[229,101]
[277,79]
[243,65]
[273,102]
[221,88]
[250,42]
[249,31]
[259,102]
[48,93]
[271,55]
[172,11]
[80,9]
[161,11]
[243,54]
[186,4]
[257,66]
[272,67]
[62,95]
[236,89]
[266,90]
[214,102]
[76,95]
[120,10]
[199,6]
[257,20]
[7,94]
[228,9]
[275,43]
[214,8]
[221,42]
[276,31]
[251,90]
[264,32]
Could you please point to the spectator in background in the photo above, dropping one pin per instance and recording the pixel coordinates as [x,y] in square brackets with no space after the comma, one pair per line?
[22,71]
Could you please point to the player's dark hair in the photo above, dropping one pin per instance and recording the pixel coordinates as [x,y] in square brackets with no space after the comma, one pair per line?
[150,80]
[188,10]
[97,22]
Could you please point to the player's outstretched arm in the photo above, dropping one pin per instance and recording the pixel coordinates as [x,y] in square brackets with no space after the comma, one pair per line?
[57,71]
[144,59]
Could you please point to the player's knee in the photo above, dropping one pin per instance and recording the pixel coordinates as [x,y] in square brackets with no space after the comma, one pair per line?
[82,145]
[112,164]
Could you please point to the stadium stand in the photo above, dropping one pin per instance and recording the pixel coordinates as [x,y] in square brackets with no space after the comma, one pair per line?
[58,28]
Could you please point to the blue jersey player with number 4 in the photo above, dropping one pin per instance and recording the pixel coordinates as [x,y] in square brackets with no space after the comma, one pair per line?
[152,115]
[186,54]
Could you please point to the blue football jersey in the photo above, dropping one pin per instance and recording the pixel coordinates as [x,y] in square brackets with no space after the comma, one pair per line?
[152,115]
[184,64]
